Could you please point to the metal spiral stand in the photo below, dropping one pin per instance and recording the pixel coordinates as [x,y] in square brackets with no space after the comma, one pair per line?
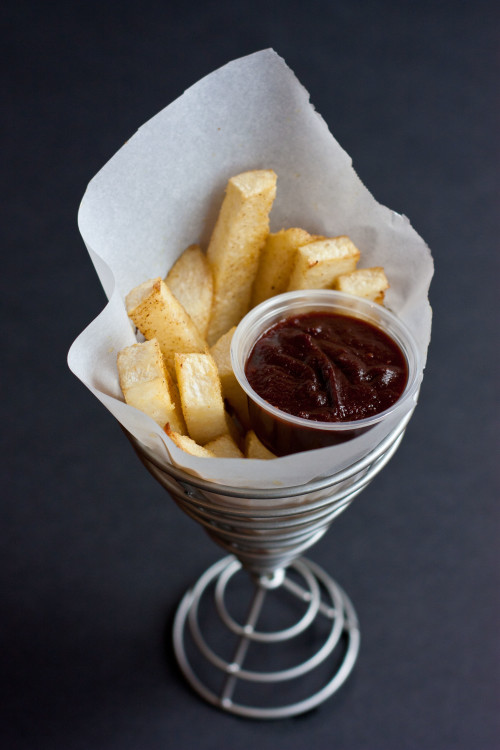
[265,537]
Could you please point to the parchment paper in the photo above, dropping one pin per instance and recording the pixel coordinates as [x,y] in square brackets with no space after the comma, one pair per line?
[162,191]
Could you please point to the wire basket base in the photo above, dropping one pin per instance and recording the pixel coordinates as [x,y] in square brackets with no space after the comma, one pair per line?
[262,672]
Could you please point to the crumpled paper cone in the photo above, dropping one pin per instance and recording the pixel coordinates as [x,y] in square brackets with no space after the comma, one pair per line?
[162,191]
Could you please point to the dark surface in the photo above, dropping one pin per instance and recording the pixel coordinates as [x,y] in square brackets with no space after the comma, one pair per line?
[94,554]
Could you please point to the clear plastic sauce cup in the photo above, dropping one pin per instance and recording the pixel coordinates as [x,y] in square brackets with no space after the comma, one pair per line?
[285,433]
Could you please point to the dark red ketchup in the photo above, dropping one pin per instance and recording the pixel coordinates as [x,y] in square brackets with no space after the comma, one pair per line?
[327,367]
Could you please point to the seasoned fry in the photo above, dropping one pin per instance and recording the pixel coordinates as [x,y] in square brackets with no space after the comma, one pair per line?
[237,240]
[318,264]
[201,396]
[255,449]
[147,384]
[158,314]
[224,447]
[370,283]
[231,389]
[190,280]
[189,445]
[276,262]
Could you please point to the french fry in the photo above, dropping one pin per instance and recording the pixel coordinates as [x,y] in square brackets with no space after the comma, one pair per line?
[147,385]
[255,449]
[190,280]
[276,262]
[158,314]
[231,389]
[319,263]
[188,445]
[201,396]
[237,240]
[224,447]
[370,283]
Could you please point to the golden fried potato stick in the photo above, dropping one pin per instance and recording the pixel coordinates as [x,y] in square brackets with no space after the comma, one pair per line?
[370,283]
[147,384]
[201,396]
[276,262]
[255,449]
[190,279]
[224,447]
[188,445]
[158,314]
[237,240]
[318,264]
[231,389]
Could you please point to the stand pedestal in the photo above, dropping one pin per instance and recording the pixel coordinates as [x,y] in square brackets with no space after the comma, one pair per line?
[253,665]
[325,632]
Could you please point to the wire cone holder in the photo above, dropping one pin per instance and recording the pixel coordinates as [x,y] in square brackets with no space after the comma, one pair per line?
[275,667]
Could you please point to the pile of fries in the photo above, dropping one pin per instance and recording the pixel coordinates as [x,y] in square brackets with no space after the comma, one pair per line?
[181,375]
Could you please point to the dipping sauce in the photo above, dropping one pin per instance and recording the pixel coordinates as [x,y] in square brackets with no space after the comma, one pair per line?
[327,367]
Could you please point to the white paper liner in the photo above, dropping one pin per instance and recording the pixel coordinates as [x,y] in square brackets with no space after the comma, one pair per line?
[162,192]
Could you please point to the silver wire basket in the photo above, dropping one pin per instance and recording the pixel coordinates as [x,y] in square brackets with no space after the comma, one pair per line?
[259,664]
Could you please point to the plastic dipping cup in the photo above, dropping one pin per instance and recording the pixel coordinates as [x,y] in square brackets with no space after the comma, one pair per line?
[285,433]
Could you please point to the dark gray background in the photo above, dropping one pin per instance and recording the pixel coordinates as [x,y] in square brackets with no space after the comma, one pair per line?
[94,554]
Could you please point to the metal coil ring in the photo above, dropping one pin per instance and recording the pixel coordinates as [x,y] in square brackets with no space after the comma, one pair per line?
[313,597]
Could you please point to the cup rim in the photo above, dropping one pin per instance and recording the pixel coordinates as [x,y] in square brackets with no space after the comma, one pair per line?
[261,317]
